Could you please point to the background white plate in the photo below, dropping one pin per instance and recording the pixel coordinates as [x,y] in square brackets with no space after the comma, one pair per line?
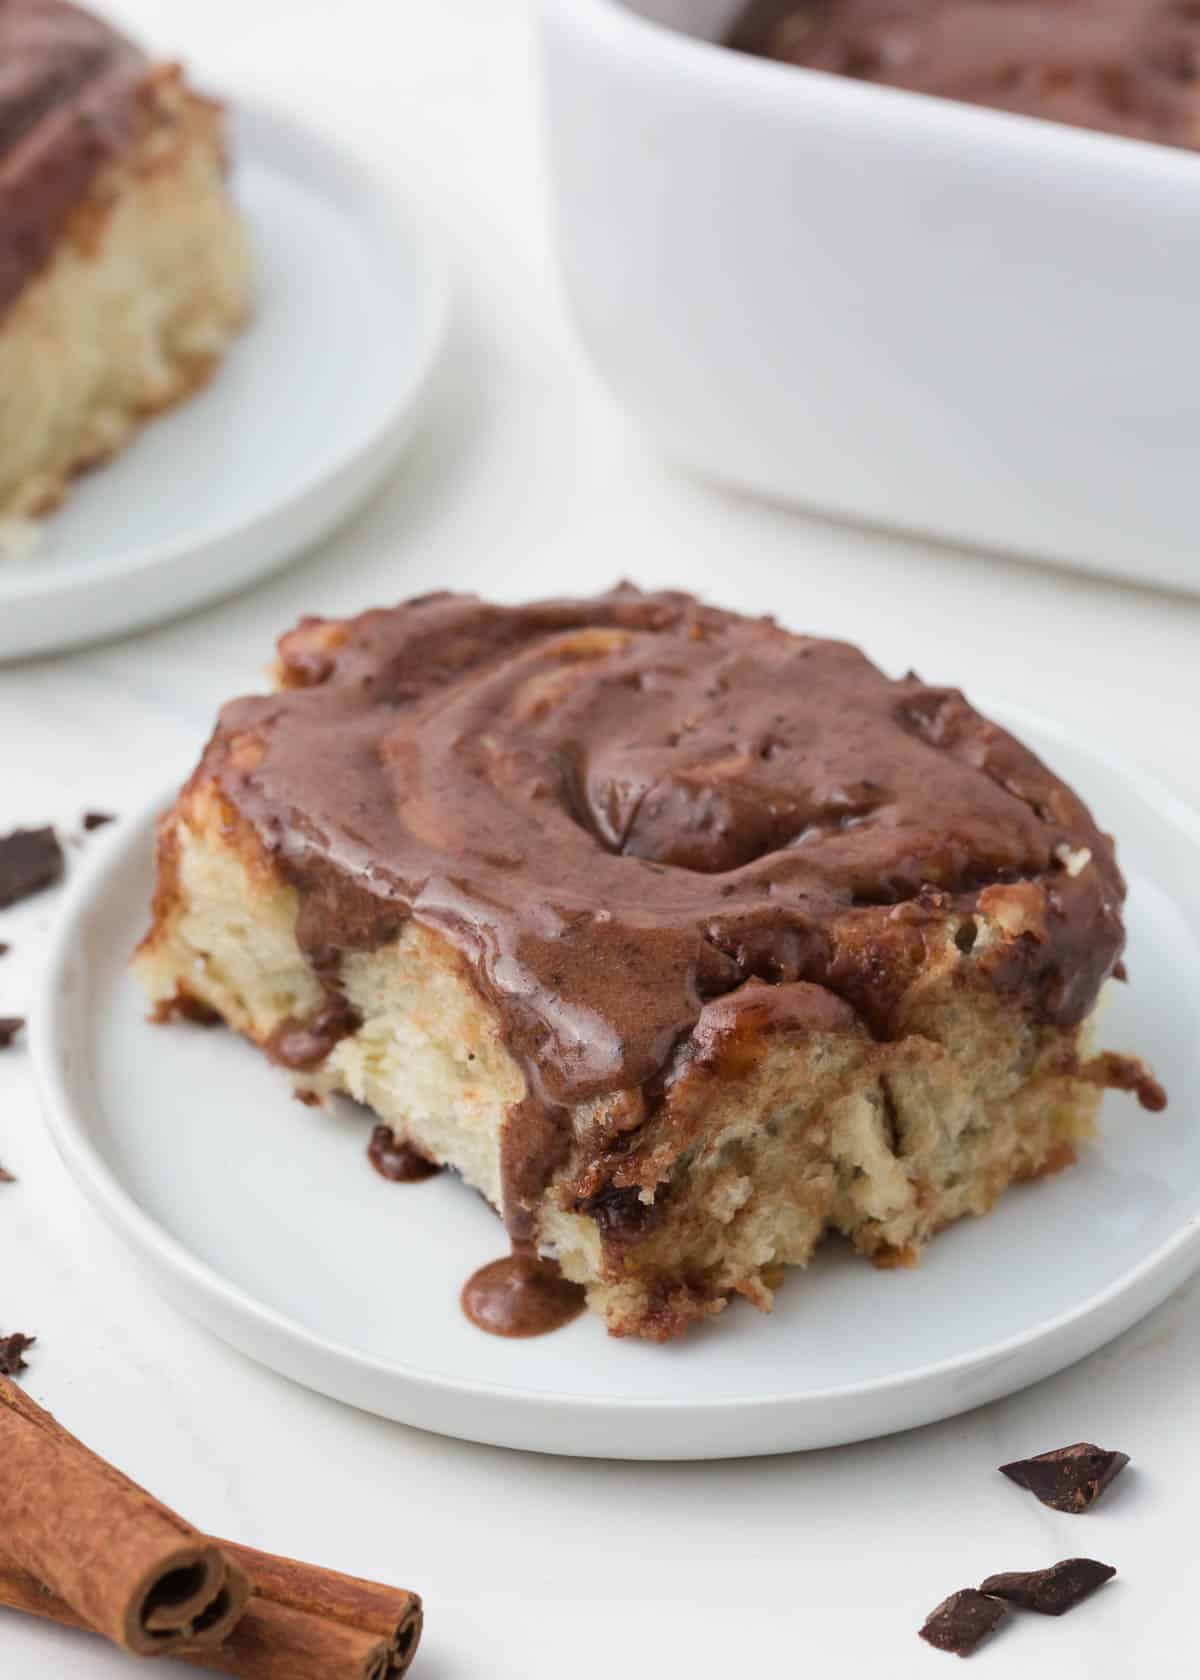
[302,420]
[263,1219]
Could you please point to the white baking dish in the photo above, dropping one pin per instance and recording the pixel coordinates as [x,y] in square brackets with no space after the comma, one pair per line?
[898,308]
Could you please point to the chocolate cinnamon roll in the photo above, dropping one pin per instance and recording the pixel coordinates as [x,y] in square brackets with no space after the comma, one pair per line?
[123,265]
[684,939]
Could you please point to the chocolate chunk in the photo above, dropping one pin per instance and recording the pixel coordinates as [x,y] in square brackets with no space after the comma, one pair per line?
[963,1621]
[30,859]
[6,1177]
[97,819]
[4,949]
[398,1161]
[622,1212]
[10,1026]
[11,1349]
[1069,1478]
[1053,1591]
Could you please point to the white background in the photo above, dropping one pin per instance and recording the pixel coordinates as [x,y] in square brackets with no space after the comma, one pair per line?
[524,480]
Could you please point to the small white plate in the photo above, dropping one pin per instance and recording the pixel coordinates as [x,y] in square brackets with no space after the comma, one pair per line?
[305,416]
[263,1219]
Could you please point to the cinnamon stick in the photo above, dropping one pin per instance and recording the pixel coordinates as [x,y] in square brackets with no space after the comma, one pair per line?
[125,1565]
[391,1614]
[302,1623]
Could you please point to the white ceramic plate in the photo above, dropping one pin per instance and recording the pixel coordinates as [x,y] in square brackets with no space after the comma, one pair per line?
[263,1219]
[303,419]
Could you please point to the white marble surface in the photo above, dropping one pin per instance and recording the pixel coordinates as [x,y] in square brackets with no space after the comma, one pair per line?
[525,480]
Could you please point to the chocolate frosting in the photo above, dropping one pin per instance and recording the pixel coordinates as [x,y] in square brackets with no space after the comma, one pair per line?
[69,89]
[1127,66]
[619,810]
[520,1295]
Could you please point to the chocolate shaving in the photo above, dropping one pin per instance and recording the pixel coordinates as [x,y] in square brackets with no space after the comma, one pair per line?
[10,1026]
[962,1622]
[97,819]
[1069,1478]
[30,859]
[1052,1591]
[11,1349]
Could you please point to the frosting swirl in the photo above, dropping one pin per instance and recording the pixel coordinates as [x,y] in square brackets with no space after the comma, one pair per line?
[618,809]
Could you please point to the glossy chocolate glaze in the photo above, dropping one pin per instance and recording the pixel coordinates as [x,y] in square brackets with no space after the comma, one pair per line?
[520,1295]
[397,1161]
[1126,66]
[304,1044]
[621,810]
[69,87]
